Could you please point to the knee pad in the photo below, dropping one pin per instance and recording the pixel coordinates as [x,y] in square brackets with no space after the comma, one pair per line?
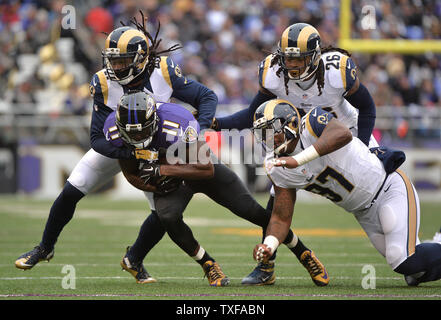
[169,220]
[388,219]
[393,255]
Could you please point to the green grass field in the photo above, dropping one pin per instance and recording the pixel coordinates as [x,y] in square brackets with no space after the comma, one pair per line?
[95,240]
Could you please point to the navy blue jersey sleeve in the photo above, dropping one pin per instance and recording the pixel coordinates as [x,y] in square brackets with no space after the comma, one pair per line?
[193,93]
[244,118]
[98,140]
[362,100]
[316,121]
[99,91]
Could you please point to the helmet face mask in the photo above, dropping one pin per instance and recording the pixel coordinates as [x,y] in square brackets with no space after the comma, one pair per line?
[120,66]
[299,51]
[136,119]
[125,55]
[297,68]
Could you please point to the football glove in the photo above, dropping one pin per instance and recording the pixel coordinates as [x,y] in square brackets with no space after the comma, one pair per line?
[167,185]
[150,172]
[144,154]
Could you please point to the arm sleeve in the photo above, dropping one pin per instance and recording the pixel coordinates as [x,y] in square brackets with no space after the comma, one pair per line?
[244,118]
[191,92]
[362,100]
[98,141]
[201,97]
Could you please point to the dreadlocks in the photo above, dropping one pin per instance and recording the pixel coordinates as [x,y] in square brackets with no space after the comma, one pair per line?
[320,70]
[154,55]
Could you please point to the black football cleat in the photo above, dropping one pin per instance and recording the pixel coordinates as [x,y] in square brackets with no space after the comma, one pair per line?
[413,280]
[29,259]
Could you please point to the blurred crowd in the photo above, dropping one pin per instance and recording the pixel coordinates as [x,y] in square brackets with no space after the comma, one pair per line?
[44,65]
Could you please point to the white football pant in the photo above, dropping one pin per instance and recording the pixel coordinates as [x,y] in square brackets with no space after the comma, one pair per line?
[94,170]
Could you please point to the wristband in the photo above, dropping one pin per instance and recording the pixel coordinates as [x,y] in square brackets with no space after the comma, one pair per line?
[306,155]
[272,243]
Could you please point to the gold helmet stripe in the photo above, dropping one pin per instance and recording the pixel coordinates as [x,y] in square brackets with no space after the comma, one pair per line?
[126,37]
[284,39]
[269,109]
[108,40]
[302,40]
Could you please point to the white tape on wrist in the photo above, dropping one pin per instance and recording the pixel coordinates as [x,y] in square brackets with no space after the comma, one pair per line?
[272,243]
[306,155]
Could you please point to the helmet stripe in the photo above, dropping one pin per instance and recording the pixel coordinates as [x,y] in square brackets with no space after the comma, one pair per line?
[134,107]
[284,39]
[115,35]
[108,40]
[129,119]
[269,109]
[302,40]
[126,37]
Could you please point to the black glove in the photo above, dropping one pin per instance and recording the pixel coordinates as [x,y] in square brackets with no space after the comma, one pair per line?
[150,173]
[167,184]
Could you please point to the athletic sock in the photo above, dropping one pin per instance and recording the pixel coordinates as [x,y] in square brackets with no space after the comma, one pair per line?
[150,233]
[202,256]
[60,214]
[298,249]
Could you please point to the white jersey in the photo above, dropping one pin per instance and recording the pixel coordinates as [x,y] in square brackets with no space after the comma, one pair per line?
[350,176]
[339,77]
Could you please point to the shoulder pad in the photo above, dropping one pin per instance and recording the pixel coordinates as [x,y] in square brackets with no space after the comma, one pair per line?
[341,71]
[99,88]
[315,121]
[171,72]
[266,73]
[111,131]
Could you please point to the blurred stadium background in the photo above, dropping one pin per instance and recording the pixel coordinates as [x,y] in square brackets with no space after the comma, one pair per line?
[45,71]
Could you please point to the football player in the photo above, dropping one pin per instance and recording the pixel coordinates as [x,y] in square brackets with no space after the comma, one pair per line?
[321,155]
[303,73]
[131,61]
[164,133]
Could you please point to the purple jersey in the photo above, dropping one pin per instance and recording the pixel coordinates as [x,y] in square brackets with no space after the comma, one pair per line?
[175,124]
